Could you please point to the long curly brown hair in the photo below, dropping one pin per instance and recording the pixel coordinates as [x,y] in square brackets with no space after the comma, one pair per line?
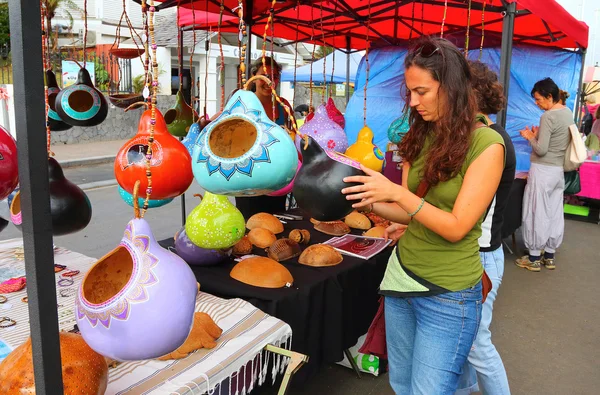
[451,133]
[488,91]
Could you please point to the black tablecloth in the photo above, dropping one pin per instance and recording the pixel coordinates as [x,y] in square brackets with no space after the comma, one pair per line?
[328,308]
[513,213]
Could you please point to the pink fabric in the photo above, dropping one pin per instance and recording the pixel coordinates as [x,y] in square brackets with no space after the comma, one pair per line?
[589,174]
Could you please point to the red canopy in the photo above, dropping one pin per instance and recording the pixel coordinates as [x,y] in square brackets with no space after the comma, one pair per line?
[392,22]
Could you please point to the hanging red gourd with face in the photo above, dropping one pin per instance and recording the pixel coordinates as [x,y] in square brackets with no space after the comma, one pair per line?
[170,164]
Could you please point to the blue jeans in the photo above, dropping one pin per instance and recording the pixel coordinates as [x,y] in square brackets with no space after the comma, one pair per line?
[484,363]
[429,339]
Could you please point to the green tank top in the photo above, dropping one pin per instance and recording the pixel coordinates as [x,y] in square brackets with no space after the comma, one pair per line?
[425,262]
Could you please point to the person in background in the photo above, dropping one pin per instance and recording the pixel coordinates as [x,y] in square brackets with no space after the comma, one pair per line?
[592,142]
[591,106]
[484,363]
[302,109]
[564,95]
[269,204]
[543,218]
[432,285]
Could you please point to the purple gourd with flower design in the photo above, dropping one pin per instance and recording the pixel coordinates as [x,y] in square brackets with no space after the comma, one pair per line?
[326,132]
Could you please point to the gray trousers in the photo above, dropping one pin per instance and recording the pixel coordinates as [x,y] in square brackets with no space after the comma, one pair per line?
[543,217]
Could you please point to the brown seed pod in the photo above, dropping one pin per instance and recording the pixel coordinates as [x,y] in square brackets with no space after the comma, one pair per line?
[375,231]
[262,238]
[266,221]
[333,228]
[283,249]
[357,220]
[242,247]
[320,255]
[301,236]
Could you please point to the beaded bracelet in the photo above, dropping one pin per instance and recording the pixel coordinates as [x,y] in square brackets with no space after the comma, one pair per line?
[418,208]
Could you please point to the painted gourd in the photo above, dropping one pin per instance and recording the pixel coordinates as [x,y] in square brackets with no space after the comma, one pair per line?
[195,255]
[190,140]
[398,129]
[242,152]
[318,186]
[137,302]
[365,152]
[170,164]
[56,124]
[288,188]
[83,370]
[9,168]
[15,209]
[180,117]
[81,104]
[152,203]
[70,207]
[215,223]
[325,131]
[332,112]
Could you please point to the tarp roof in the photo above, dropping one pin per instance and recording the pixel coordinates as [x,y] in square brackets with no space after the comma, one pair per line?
[334,63]
[330,22]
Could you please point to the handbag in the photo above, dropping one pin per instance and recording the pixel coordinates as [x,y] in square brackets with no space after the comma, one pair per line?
[572,183]
[576,152]
[375,341]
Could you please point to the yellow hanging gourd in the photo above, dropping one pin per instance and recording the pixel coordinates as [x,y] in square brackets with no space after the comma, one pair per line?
[365,152]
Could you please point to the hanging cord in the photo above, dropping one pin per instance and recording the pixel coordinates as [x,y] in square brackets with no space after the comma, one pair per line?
[468,28]
[272,10]
[412,22]
[46,63]
[444,18]
[207,61]
[153,107]
[85,31]
[192,62]
[296,51]
[133,33]
[179,50]
[324,56]
[334,27]
[242,41]
[422,16]
[146,62]
[482,30]
[222,67]
[368,66]
[264,48]
[312,59]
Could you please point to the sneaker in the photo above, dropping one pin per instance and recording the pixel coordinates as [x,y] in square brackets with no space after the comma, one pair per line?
[525,263]
[548,263]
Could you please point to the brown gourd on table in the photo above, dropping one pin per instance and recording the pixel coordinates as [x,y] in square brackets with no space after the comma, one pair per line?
[84,371]
[262,238]
[262,272]
[320,255]
[204,334]
[283,249]
[266,221]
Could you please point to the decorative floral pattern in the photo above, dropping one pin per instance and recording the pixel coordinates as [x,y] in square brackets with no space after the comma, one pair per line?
[134,292]
[331,144]
[245,163]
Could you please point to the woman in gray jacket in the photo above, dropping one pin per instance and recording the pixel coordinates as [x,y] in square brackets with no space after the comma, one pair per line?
[543,218]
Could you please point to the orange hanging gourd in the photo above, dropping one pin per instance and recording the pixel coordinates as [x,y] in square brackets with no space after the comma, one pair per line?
[171,163]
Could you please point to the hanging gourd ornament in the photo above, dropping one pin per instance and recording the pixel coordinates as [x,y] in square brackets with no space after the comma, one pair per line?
[152,203]
[365,152]
[137,302]
[9,170]
[56,124]
[190,140]
[324,131]
[243,152]
[319,183]
[170,163]
[180,117]
[398,129]
[81,104]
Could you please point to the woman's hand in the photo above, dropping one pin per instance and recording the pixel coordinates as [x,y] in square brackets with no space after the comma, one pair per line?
[394,232]
[375,188]
[530,134]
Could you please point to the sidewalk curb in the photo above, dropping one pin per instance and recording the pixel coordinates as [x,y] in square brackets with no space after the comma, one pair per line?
[93,160]
[98,184]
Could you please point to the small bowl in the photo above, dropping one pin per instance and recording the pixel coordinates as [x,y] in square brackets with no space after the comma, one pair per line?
[124,100]
[127,53]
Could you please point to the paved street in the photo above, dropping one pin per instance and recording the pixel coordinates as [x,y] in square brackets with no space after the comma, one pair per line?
[546,325]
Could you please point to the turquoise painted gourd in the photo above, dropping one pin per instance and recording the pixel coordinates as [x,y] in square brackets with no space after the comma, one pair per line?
[81,104]
[243,152]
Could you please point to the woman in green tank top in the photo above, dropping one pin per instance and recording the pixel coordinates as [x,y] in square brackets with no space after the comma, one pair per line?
[432,285]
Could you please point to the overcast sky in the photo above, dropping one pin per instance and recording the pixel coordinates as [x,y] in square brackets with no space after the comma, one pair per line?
[589,12]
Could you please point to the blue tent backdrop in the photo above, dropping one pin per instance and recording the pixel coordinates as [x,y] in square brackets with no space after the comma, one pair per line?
[385,101]
[339,76]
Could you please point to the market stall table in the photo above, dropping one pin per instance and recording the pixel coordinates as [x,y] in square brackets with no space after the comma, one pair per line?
[239,354]
[328,308]
[589,175]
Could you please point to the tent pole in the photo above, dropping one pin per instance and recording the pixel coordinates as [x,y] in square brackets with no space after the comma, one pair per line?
[180,60]
[348,69]
[248,20]
[508,28]
[579,101]
[28,72]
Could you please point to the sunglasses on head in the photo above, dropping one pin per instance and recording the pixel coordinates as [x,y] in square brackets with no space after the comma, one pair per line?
[427,50]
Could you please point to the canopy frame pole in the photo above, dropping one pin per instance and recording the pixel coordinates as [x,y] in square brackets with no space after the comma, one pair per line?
[348,49]
[508,29]
[180,45]
[28,72]
[249,22]
[579,101]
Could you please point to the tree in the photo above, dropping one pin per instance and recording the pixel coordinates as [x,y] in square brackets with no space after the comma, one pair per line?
[52,6]
[321,52]
[4,25]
